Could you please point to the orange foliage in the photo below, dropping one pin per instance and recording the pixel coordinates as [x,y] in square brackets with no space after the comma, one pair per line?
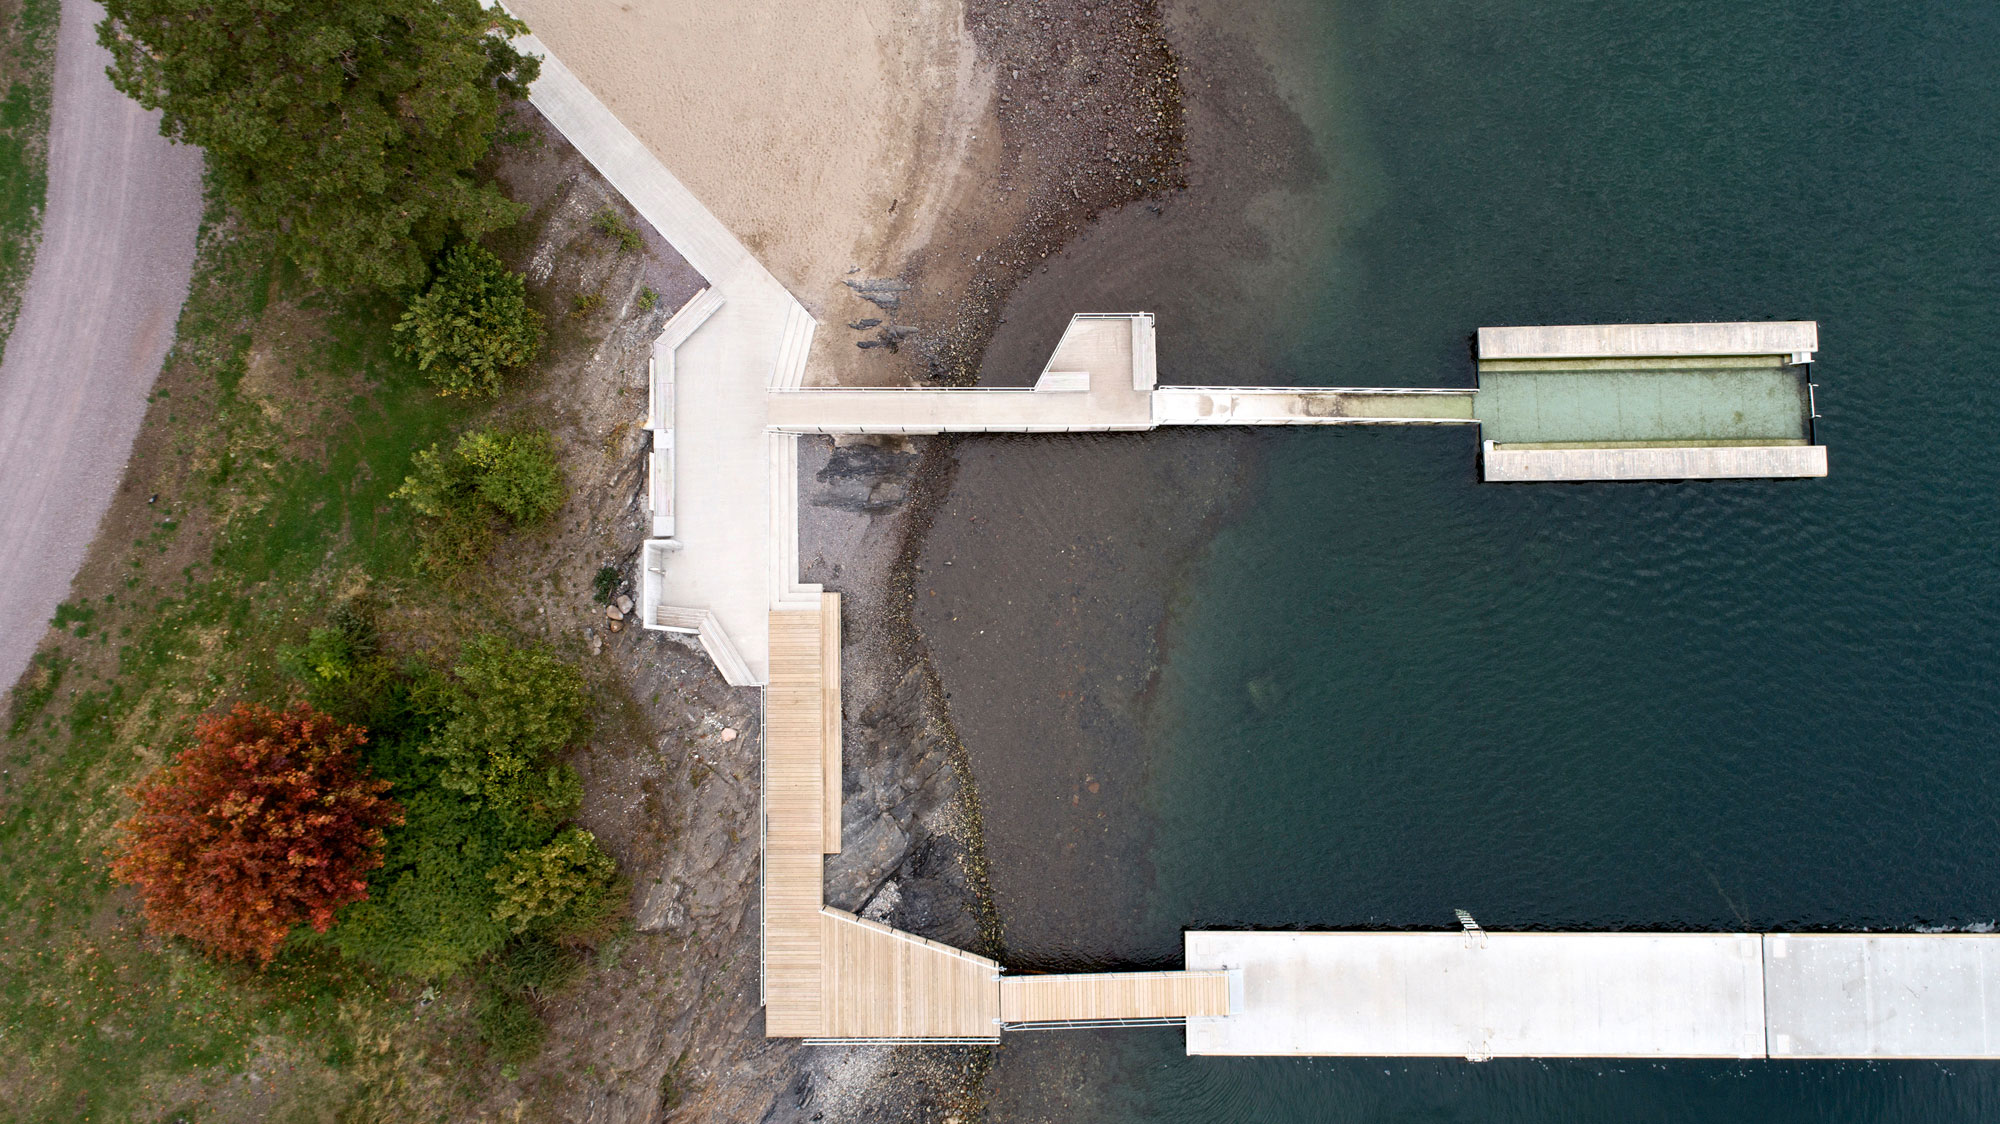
[267,821]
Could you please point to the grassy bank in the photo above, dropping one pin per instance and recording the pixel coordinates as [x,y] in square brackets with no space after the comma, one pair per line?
[260,496]
[27,52]
[276,435]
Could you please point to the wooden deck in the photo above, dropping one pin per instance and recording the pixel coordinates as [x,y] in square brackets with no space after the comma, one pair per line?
[829,711]
[1113,996]
[794,807]
[880,983]
[829,974]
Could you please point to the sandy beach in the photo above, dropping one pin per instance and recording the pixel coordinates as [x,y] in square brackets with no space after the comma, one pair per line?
[827,136]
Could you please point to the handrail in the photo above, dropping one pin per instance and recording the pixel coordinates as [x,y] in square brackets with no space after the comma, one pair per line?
[1406,390]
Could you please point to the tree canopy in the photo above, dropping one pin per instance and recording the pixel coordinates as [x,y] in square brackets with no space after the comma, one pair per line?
[472,325]
[349,129]
[457,493]
[265,822]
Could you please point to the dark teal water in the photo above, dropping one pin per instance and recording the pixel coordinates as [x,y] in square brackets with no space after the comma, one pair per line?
[1392,691]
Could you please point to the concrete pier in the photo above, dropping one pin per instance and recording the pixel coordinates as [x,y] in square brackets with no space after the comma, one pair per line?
[1648,402]
[1883,995]
[1485,995]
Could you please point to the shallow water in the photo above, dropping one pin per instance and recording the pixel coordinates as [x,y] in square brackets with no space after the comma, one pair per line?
[1387,691]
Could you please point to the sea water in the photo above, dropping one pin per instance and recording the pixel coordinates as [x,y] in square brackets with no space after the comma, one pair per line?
[1389,691]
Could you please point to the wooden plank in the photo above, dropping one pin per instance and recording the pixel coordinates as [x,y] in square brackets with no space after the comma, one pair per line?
[881,983]
[1113,995]
[1582,341]
[830,763]
[794,724]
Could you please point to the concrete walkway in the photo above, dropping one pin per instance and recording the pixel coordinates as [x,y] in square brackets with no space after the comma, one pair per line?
[97,317]
[733,554]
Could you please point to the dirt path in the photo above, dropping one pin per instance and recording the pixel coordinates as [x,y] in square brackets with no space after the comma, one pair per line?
[97,317]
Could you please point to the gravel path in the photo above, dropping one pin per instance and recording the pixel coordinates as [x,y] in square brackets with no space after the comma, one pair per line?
[97,316]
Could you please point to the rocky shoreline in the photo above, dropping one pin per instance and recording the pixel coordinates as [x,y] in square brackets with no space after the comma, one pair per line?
[1087,108]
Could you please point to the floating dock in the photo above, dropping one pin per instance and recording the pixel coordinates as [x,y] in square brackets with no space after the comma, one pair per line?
[1485,995]
[1648,402]
[1481,995]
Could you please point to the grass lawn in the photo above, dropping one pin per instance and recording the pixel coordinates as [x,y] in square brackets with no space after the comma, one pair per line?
[258,495]
[27,47]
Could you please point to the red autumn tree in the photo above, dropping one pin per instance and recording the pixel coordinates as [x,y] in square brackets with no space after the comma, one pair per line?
[266,821]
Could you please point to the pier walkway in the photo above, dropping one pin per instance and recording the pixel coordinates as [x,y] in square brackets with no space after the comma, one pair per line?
[1481,995]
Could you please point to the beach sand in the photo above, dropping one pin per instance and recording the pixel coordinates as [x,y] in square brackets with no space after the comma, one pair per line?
[828,136]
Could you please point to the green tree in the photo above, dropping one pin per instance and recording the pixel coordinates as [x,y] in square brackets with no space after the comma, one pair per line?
[350,130]
[457,493]
[507,716]
[566,877]
[517,473]
[472,325]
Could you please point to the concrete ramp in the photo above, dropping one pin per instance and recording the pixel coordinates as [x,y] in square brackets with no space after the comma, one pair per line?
[1858,995]
[1485,995]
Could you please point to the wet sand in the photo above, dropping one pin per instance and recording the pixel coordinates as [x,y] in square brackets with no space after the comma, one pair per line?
[1047,584]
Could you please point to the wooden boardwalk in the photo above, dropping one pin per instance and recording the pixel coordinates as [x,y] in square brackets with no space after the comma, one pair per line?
[794,827]
[1113,997]
[877,982]
[830,974]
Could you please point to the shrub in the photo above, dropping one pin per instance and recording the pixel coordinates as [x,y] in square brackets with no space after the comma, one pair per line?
[604,586]
[457,493]
[516,473]
[566,877]
[34,690]
[265,822]
[504,720]
[472,325]
[345,673]
[476,759]
[534,965]
[430,911]
[613,226]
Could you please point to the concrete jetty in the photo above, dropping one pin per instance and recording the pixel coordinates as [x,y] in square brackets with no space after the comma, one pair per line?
[1480,995]
[1648,402]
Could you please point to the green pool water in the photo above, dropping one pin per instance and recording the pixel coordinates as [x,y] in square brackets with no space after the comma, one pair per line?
[1596,402]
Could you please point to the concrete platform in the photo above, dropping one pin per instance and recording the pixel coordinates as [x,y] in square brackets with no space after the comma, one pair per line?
[1502,465]
[1927,995]
[1631,995]
[1587,341]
